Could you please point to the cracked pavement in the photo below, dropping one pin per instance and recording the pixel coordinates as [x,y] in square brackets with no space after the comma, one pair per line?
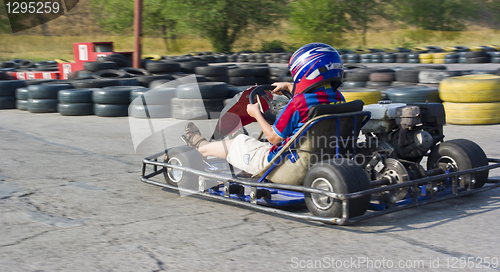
[71,200]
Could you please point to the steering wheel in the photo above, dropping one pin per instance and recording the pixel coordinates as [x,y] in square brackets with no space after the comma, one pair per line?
[263,91]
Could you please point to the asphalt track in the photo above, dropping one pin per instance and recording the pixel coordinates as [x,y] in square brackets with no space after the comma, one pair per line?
[71,200]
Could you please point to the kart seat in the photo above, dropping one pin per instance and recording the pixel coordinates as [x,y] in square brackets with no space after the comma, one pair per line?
[331,131]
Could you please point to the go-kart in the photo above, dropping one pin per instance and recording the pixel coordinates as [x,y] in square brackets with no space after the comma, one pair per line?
[347,163]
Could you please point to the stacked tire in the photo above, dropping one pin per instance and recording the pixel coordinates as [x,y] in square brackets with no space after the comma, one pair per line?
[280,74]
[112,101]
[44,98]
[157,102]
[494,57]
[413,94]
[242,76]
[413,57]
[8,93]
[213,73]
[477,57]
[439,58]
[401,57]
[199,101]
[76,102]
[471,99]
[22,99]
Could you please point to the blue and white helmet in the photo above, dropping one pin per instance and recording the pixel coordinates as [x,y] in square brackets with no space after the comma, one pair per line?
[313,65]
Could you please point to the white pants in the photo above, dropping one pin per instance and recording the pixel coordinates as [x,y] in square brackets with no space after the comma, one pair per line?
[248,154]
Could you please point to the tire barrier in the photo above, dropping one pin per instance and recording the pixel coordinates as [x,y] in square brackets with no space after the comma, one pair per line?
[472,113]
[368,96]
[470,89]
[413,94]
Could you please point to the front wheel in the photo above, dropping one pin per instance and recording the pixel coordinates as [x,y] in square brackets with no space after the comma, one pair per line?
[183,156]
[341,176]
[458,155]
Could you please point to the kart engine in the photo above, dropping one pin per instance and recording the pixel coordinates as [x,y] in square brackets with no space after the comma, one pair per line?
[404,131]
[397,138]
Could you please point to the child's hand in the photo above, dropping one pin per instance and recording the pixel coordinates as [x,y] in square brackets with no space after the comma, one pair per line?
[282,86]
[253,110]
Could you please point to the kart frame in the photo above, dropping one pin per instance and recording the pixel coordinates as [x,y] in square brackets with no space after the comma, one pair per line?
[158,167]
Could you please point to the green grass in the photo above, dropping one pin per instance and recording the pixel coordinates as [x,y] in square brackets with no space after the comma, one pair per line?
[50,47]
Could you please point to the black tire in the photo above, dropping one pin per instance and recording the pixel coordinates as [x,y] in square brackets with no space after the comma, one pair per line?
[430,66]
[462,154]
[22,105]
[353,84]
[129,82]
[241,72]
[105,110]
[112,95]
[154,111]
[22,94]
[478,60]
[163,67]
[402,83]
[9,87]
[217,79]
[382,77]
[118,59]
[76,109]
[135,71]
[111,73]
[146,80]
[76,96]
[341,176]
[158,82]
[476,54]
[7,102]
[211,71]
[95,83]
[407,75]
[94,66]
[38,81]
[42,105]
[157,96]
[26,64]
[189,66]
[46,91]
[242,81]
[184,156]
[377,84]
[207,90]
[137,92]
[413,94]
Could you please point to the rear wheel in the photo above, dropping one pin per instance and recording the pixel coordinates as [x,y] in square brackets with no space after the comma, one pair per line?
[458,155]
[340,176]
[185,156]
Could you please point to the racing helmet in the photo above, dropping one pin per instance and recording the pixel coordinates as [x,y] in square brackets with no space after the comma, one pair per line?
[313,65]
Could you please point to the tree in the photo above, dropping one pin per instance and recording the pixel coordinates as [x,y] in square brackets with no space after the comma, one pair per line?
[319,21]
[442,15]
[222,22]
[363,12]
[117,16]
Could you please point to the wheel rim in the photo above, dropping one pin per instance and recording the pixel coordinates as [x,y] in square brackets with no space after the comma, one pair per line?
[321,201]
[173,174]
[448,163]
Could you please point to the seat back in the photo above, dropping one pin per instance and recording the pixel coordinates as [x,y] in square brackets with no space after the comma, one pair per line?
[324,136]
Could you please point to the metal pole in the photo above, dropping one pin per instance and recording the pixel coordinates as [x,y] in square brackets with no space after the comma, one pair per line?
[137,33]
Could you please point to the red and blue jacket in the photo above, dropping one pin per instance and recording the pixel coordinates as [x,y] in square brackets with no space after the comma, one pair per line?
[294,114]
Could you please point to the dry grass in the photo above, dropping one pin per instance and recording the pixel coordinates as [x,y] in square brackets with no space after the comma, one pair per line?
[50,47]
